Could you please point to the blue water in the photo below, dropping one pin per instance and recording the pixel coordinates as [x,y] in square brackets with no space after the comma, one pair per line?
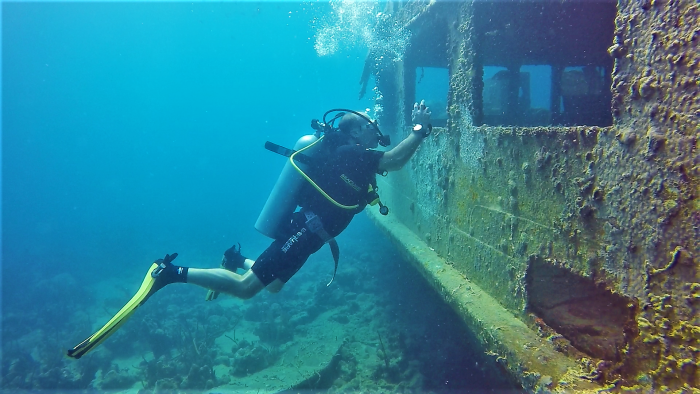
[132,130]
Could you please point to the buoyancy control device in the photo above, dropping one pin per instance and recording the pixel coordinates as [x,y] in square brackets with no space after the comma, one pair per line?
[284,198]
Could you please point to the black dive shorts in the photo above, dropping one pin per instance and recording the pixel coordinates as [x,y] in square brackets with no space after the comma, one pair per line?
[283,258]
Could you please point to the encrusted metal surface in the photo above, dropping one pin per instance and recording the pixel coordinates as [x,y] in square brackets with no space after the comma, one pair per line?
[616,207]
[534,360]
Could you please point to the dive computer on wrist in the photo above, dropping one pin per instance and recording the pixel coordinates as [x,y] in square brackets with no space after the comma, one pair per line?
[423,131]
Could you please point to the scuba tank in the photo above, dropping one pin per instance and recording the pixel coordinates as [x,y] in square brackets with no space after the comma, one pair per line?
[283,199]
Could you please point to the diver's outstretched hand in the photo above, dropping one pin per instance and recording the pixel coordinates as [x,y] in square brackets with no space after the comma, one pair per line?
[421,114]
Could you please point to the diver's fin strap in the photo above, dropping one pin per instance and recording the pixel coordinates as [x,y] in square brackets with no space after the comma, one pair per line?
[314,224]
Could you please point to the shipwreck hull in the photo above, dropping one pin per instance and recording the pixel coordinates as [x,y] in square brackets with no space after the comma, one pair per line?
[566,237]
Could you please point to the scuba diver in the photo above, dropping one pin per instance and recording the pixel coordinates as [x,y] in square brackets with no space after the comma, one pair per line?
[334,178]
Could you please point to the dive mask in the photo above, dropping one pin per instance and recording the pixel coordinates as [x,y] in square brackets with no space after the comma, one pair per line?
[384,140]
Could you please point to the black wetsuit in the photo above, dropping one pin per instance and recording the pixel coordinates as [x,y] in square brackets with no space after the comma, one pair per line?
[345,175]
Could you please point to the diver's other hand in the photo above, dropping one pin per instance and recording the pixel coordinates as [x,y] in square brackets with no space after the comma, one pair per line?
[421,114]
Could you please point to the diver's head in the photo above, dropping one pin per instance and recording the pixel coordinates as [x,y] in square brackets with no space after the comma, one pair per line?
[360,130]
[350,121]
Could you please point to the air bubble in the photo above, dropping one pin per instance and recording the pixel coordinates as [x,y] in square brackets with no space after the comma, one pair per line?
[357,24]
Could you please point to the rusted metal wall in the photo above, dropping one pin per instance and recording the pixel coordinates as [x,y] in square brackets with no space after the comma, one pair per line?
[588,234]
[652,169]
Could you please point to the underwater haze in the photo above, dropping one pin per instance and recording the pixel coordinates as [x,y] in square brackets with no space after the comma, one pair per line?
[132,130]
[136,129]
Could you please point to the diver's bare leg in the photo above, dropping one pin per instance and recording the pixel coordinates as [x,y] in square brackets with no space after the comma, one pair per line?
[218,279]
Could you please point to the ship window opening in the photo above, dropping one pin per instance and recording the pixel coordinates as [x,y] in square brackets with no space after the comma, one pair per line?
[426,73]
[432,85]
[544,64]
[519,96]
[585,96]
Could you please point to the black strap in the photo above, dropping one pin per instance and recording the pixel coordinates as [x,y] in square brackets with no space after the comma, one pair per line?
[313,223]
[281,150]
[335,250]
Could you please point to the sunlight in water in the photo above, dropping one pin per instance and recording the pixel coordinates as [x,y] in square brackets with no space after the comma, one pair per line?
[360,24]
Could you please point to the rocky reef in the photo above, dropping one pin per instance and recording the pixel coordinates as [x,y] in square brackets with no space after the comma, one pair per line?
[369,332]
